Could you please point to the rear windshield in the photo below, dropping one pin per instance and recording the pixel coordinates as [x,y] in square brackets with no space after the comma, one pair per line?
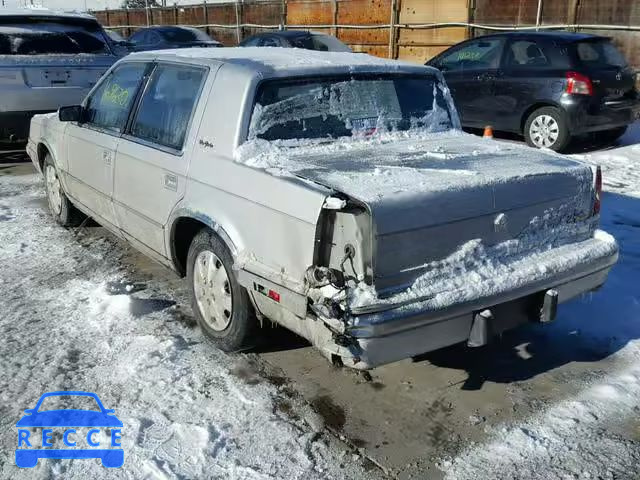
[42,38]
[348,106]
[599,54]
[184,35]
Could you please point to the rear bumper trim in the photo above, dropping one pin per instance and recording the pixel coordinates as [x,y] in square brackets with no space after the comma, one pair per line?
[394,319]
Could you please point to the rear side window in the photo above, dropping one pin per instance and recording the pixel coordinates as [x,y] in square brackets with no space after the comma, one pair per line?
[270,42]
[527,54]
[47,37]
[167,104]
[328,43]
[108,106]
[185,35]
[599,54]
[476,55]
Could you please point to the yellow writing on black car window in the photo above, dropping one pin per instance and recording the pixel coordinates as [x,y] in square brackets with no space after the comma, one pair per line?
[469,55]
[114,93]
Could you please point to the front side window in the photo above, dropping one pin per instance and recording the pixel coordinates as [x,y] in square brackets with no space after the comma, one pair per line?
[51,38]
[344,106]
[476,55]
[108,106]
[166,106]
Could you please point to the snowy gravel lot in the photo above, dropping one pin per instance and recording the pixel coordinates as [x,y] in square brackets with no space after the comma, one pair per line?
[68,322]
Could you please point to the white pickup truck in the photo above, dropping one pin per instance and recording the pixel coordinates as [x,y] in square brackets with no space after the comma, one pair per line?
[332,193]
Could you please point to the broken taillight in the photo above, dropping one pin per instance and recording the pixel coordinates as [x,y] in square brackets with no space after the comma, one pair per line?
[597,187]
[578,84]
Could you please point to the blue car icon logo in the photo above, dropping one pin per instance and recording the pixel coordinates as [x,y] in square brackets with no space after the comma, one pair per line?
[65,432]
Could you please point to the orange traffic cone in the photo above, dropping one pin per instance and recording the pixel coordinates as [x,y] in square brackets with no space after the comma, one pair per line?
[488,132]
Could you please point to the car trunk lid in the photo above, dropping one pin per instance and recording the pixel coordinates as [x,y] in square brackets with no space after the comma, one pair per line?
[429,196]
[610,75]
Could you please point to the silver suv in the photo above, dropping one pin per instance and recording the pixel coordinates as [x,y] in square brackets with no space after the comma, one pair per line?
[47,60]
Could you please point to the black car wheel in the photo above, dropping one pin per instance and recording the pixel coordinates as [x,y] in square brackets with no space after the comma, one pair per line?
[220,304]
[547,128]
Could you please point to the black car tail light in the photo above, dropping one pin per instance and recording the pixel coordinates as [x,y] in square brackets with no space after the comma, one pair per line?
[578,84]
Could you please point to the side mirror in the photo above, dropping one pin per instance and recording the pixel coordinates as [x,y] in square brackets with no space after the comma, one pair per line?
[30,410]
[70,114]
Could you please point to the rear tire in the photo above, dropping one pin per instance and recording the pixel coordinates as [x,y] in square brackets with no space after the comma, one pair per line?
[60,207]
[547,127]
[220,304]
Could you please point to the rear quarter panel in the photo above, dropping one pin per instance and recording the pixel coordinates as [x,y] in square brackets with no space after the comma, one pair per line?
[269,220]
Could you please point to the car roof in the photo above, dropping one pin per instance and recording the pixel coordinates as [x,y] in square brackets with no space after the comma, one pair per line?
[44,12]
[278,62]
[556,35]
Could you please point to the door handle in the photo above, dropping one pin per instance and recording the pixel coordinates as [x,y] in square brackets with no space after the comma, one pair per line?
[107,157]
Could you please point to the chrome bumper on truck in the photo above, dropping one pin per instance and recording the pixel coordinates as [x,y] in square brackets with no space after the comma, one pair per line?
[387,333]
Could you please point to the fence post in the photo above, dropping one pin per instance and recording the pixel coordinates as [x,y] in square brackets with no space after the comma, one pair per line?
[334,30]
[283,16]
[539,15]
[175,13]
[126,16]
[238,15]
[205,16]
[572,14]
[393,19]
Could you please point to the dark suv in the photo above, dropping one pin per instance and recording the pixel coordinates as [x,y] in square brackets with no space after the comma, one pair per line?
[547,86]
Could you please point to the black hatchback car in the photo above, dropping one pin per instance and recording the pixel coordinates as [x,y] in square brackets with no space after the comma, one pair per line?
[296,39]
[546,86]
[173,36]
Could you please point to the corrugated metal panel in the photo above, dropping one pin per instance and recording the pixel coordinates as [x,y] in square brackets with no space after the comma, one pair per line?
[506,12]
[364,12]
[309,12]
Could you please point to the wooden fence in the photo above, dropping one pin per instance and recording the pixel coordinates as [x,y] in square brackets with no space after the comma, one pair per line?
[413,30]
[366,25]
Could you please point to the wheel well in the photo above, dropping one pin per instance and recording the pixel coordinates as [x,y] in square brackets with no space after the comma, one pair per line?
[42,153]
[183,231]
[532,109]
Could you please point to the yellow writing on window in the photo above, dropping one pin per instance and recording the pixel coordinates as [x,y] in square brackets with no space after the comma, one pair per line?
[115,94]
[469,55]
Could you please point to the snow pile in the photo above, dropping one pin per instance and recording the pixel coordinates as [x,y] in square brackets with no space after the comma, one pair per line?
[402,163]
[572,439]
[477,271]
[592,433]
[186,410]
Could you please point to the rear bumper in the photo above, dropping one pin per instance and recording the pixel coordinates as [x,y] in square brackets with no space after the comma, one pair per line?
[586,116]
[14,127]
[409,330]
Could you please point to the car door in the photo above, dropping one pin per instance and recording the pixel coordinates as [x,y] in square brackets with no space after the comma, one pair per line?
[92,143]
[470,70]
[532,72]
[151,161]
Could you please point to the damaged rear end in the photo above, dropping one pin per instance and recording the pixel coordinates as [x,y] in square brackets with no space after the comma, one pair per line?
[432,236]
[458,260]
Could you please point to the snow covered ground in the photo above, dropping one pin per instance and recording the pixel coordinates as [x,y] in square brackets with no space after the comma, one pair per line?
[67,322]
[594,433]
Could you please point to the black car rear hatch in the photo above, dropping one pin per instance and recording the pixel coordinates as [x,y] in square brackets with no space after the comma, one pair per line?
[602,62]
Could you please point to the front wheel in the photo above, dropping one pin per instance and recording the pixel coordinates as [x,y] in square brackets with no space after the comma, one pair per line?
[220,304]
[547,128]
[61,208]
